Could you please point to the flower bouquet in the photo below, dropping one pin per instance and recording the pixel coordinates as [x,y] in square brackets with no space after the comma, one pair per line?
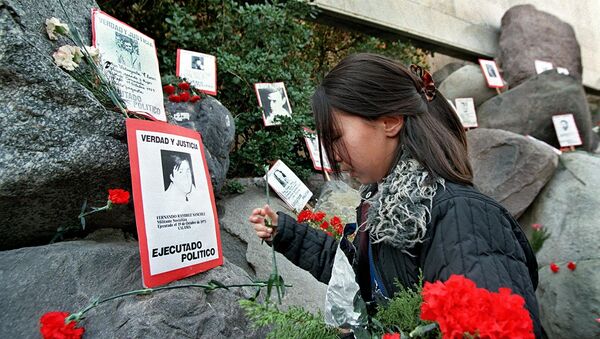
[334,227]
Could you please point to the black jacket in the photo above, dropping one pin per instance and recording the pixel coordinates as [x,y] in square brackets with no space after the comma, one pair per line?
[469,234]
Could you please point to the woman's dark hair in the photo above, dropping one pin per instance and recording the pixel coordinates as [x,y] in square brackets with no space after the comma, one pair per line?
[372,86]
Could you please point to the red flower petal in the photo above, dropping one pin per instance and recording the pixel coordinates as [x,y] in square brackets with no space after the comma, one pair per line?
[174,98]
[319,216]
[52,326]
[184,86]
[554,267]
[169,89]
[118,196]
[391,336]
[305,215]
[572,266]
[194,98]
[184,96]
[324,225]
[536,227]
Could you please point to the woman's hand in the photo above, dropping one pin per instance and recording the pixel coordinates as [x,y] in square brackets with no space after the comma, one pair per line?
[257,218]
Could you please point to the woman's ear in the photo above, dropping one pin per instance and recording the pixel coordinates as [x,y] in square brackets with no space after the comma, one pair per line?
[392,125]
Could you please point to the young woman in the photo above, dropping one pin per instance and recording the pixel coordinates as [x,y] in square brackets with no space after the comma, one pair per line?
[398,136]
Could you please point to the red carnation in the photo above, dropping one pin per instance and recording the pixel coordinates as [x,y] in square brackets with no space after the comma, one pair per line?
[169,89]
[174,98]
[184,96]
[118,196]
[536,227]
[571,265]
[391,336]
[184,86]
[460,307]
[305,215]
[194,98]
[52,326]
[329,233]
[335,220]
[319,216]
[324,225]
[554,267]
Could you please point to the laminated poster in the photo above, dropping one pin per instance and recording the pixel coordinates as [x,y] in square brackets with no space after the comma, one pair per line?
[288,186]
[199,69]
[128,59]
[175,211]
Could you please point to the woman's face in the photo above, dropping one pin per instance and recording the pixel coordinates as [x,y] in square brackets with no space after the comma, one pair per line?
[366,148]
[182,177]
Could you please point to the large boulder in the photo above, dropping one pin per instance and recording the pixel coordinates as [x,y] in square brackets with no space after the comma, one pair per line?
[528,108]
[568,208]
[526,35]
[467,82]
[235,210]
[217,128]
[509,167]
[441,74]
[59,145]
[67,276]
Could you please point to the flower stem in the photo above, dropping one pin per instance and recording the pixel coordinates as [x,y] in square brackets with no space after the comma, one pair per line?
[207,287]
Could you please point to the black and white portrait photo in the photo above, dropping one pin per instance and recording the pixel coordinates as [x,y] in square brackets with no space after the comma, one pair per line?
[273,99]
[128,51]
[491,73]
[178,177]
[198,62]
[199,69]
[566,129]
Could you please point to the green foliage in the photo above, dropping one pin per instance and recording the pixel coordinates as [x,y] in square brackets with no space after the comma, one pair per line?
[256,42]
[403,311]
[295,323]
[538,237]
[233,187]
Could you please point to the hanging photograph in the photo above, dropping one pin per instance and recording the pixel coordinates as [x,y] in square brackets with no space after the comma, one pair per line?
[288,186]
[199,69]
[491,73]
[273,99]
[542,66]
[128,59]
[566,130]
[175,209]
[312,143]
[465,108]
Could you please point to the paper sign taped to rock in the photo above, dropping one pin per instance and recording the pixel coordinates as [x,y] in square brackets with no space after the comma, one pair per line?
[491,73]
[566,130]
[273,99]
[128,59]
[174,203]
[198,69]
[542,66]
[288,186]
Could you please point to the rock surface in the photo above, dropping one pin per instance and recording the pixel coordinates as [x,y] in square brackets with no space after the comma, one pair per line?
[568,208]
[67,275]
[509,167]
[235,210]
[528,108]
[467,82]
[526,35]
[217,128]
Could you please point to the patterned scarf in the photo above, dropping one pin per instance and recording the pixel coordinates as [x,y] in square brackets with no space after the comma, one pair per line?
[401,208]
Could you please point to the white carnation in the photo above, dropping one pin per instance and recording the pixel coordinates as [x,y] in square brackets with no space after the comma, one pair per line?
[68,57]
[54,26]
[94,53]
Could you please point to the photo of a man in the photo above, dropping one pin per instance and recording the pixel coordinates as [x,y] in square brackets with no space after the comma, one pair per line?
[128,51]
[274,101]
[198,62]
[491,71]
[178,177]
